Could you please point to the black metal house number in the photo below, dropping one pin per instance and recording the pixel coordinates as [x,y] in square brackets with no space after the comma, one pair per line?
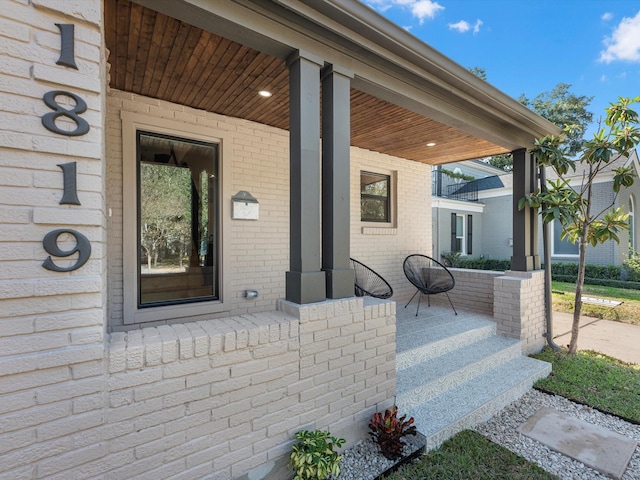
[70,193]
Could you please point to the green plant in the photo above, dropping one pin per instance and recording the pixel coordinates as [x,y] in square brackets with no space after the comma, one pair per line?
[632,265]
[387,431]
[451,259]
[313,457]
[571,200]
[594,379]
[461,176]
[485,264]
[469,455]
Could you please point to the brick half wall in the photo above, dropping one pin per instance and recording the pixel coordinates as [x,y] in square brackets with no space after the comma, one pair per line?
[217,399]
[473,290]
[519,308]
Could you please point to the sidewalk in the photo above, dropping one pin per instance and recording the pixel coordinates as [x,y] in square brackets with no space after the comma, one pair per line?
[618,340]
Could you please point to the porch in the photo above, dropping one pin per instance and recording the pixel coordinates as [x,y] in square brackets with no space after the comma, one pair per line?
[454,372]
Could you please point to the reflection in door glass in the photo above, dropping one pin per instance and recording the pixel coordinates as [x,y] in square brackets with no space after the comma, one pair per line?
[177,220]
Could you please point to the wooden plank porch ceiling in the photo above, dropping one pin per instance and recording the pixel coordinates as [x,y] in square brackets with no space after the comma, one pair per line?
[154,55]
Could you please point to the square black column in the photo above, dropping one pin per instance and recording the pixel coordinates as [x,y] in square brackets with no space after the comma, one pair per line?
[305,282]
[336,180]
[525,222]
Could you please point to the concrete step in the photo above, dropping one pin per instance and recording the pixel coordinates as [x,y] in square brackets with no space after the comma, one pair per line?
[418,340]
[425,380]
[476,400]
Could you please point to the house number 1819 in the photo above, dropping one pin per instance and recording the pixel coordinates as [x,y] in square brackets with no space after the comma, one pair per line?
[70,195]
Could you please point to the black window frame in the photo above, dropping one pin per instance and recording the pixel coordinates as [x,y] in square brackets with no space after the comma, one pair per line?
[385,200]
[216,255]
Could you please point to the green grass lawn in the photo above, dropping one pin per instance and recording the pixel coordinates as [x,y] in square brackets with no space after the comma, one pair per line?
[588,377]
[629,312]
[595,380]
[469,455]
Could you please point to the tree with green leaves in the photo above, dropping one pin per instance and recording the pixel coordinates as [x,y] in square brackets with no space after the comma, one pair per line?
[479,72]
[562,108]
[572,203]
[165,210]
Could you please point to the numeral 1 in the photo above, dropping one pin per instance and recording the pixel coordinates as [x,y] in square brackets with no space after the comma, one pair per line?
[70,193]
[67,49]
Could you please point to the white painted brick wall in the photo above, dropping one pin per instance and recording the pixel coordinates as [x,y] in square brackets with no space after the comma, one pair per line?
[260,164]
[474,290]
[51,323]
[232,407]
[519,308]
[384,249]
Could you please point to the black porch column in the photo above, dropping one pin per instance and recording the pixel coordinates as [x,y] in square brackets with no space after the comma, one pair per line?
[305,283]
[525,222]
[336,142]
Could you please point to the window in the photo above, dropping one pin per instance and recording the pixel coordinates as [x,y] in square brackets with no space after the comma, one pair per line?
[560,246]
[375,197]
[461,233]
[177,220]
[174,227]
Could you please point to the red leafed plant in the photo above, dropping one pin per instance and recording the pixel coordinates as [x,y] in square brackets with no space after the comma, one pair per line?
[387,431]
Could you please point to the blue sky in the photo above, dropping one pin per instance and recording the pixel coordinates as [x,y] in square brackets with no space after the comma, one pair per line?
[530,46]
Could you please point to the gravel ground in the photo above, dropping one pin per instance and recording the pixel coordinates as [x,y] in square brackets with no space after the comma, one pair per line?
[363,462]
[503,429]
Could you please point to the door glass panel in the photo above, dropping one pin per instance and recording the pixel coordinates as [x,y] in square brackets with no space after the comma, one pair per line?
[177,220]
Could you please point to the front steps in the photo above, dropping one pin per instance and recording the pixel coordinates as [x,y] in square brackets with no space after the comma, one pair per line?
[453,372]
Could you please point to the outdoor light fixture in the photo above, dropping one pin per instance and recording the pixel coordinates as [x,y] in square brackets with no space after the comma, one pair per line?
[264,93]
[431,144]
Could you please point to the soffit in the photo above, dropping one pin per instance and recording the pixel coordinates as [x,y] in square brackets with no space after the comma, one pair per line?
[154,55]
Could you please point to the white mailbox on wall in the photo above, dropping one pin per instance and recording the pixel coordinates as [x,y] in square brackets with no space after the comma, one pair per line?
[245,206]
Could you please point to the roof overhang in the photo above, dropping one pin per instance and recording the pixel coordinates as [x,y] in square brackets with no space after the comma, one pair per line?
[415,94]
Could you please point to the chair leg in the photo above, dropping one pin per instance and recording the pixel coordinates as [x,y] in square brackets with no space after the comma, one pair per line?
[454,308]
[411,299]
[418,309]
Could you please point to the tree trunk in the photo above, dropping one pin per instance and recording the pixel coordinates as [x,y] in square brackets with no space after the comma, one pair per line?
[577,308]
[582,263]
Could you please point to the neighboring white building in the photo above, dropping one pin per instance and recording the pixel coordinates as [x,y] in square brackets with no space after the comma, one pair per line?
[484,205]
[176,299]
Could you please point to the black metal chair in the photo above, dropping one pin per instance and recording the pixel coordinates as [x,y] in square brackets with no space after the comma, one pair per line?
[429,276]
[368,282]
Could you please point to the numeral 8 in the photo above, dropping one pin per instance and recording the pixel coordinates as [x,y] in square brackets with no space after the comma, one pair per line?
[49,119]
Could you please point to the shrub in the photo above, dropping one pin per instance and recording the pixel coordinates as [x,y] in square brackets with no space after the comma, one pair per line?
[485,264]
[601,272]
[631,266]
[313,457]
[451,259]
[627,276]
[387,431]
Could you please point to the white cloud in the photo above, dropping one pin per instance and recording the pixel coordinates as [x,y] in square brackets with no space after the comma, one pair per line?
[425,9]
[607,16]
[463,26]
[421,9]
[624,42]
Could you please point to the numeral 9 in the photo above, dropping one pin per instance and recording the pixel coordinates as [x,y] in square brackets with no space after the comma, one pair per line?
[50,244]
